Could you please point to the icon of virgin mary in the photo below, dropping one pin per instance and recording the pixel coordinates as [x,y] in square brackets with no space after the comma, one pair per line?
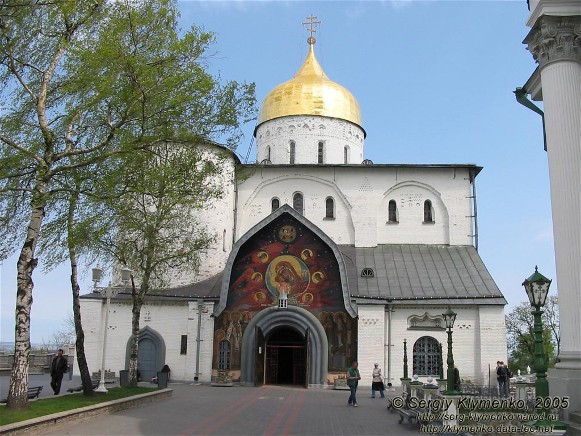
[287,274]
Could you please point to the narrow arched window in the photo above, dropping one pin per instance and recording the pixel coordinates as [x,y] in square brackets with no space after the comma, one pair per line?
[428,212]
[392,211]
[321,152]
[224,357]
[275,204]
[329,208]
[345,154]
[268,152]
[224,240]
[298,202]
[426,356]
[292,152]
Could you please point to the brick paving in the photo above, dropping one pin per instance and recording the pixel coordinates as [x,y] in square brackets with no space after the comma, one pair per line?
[267,410]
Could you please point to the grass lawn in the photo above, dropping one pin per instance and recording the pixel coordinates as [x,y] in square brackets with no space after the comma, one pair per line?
[47,406]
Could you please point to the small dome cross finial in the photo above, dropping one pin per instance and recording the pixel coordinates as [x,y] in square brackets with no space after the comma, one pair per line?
[311,28]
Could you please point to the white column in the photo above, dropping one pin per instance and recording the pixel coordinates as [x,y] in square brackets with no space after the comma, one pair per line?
[554,42]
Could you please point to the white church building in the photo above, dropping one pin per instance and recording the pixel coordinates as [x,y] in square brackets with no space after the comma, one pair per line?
[322,257]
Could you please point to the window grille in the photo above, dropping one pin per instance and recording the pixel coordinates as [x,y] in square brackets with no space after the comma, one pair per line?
[329,208]
[428,212]
[184,345]
[275,203]
[367,272]
[224,356]
[426,353]
[392,211]
[292,152]
[298,202]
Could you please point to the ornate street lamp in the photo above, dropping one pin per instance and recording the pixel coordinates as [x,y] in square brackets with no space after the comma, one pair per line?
[107,292]
[537,288]
[449,318]
[405,360]
[405,380]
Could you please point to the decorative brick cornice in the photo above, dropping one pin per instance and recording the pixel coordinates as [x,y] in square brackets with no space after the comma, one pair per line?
[555,39]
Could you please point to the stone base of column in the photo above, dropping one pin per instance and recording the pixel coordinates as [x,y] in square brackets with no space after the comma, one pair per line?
[566,383]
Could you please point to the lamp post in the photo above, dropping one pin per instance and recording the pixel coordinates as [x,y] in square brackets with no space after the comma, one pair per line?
[107,292]
[405,380]
[449,318]
[405,360]
[537,288]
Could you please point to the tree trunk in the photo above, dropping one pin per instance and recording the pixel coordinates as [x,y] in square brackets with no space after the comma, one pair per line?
[79,333]
[136,314]
[18,392]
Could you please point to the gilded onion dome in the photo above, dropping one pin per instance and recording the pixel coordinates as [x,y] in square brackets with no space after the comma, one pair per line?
[310,92]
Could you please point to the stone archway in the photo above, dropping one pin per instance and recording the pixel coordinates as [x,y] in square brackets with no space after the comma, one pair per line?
[151,353]
[294,317]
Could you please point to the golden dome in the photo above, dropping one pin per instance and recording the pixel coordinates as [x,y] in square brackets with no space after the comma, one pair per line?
[310,92]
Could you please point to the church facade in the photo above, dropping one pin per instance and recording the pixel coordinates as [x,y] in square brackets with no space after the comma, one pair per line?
[321,258]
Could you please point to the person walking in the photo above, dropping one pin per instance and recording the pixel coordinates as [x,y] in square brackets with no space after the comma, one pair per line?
[353,378]
[376,381]
[58,367]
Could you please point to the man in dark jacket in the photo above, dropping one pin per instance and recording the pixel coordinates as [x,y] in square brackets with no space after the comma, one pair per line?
[58,367]
[502,376]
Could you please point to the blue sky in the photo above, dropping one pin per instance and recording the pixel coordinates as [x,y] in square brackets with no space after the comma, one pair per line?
[434,80]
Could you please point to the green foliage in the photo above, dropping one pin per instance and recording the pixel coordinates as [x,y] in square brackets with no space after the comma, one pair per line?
[150,200]
[520,335]
[86,87]
[84,80]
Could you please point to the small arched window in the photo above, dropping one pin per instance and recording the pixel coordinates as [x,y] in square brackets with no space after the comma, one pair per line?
[345,155]
[298,202]
[321,152]
[224,240]
[329,208]
[428,212]
[426,356]
[392,211]
[268,152]
[275,203]
[292,152]
[224,357]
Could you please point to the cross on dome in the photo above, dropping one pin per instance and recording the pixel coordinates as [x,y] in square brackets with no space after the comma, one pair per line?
[311,23]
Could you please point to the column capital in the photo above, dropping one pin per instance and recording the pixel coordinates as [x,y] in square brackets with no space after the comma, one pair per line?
[555,39]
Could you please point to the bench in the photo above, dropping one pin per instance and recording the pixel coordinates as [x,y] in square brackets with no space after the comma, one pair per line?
[410,414]
[33,392]
[94,385]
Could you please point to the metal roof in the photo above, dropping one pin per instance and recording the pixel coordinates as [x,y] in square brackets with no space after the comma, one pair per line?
[411,273]
[402,274]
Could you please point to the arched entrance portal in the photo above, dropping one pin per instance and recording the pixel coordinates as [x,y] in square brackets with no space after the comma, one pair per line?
[260,330]
[150,353]
[286,357]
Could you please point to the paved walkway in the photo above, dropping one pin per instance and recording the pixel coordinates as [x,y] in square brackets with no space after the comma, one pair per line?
[268,410]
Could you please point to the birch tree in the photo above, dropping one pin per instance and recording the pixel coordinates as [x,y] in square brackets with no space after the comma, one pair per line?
[83,81]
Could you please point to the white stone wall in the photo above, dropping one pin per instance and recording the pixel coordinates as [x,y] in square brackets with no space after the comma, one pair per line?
[479,337]
[218,220]
[361,196]
[170,321]
[371,341]
[493,344]
[306,132]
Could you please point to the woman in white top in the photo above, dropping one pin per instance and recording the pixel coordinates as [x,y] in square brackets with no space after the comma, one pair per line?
[377,381]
